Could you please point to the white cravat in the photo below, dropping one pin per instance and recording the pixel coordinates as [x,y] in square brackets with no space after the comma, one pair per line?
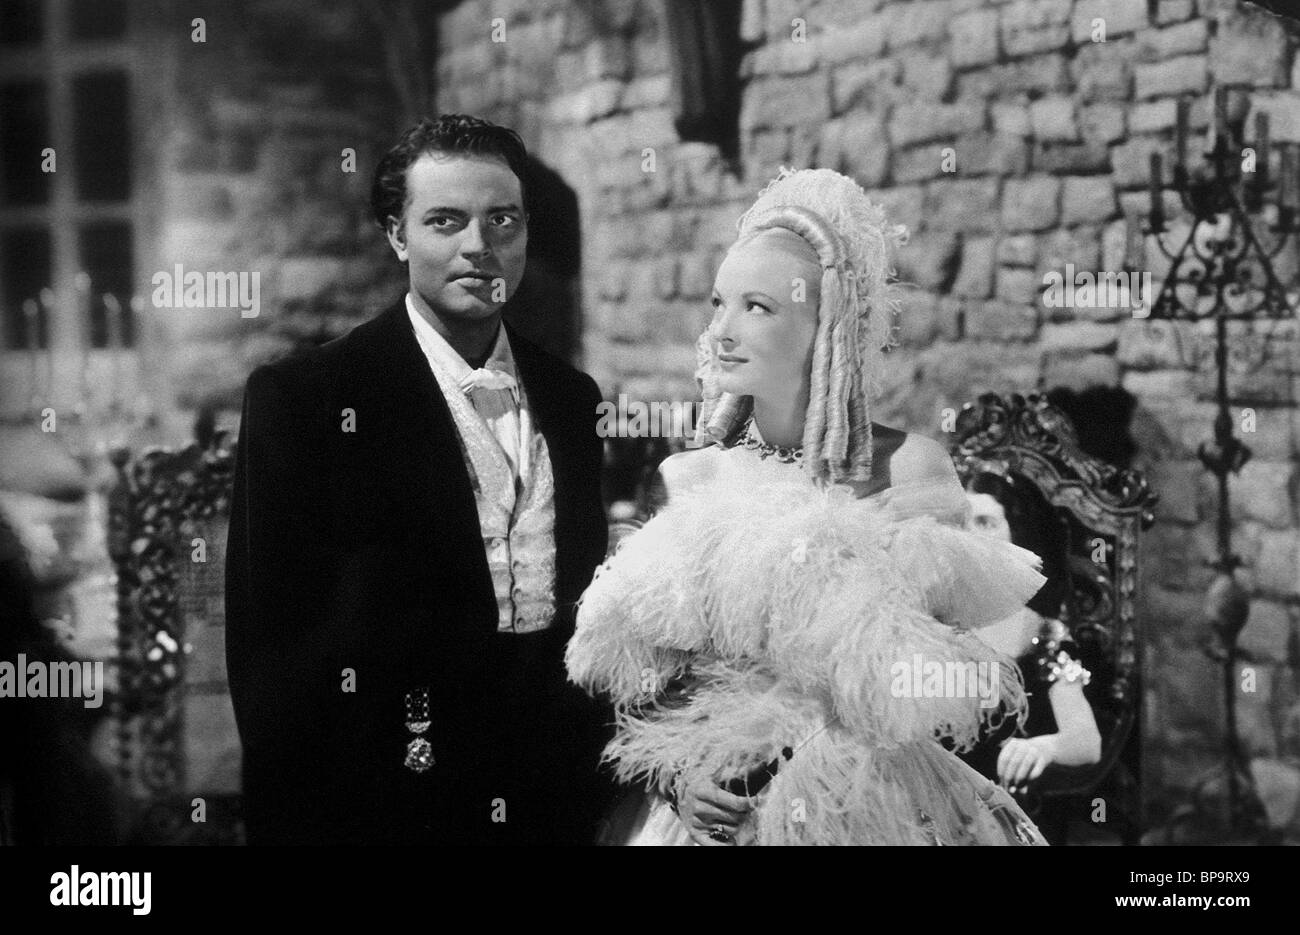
[492,389]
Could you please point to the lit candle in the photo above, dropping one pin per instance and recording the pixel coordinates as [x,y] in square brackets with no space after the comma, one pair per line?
[113,311]
[1261,150]
[1135,246]
[1287,187]
[1212,130]
[31,311]
[82,284]
[1236,105]
[47,303]
[1288,197]
[1180,133]
[1157,201]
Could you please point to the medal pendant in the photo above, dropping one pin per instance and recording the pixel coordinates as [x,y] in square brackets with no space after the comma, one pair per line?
[419,755]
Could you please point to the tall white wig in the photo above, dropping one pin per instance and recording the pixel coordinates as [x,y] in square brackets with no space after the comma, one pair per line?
[855,247]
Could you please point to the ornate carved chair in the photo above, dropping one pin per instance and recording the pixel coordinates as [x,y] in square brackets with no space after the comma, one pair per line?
[1101,511]
[176,742]
[632,489]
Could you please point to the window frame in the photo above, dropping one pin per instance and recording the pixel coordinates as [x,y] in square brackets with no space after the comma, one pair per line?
[70,368]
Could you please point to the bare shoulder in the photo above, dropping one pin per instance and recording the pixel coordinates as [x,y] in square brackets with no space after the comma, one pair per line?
[687,469]
[919,458]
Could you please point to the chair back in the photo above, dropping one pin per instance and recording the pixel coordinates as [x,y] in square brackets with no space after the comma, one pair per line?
[1100,511]
[178,752]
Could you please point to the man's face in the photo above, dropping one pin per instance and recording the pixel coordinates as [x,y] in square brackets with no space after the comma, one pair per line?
[464,235]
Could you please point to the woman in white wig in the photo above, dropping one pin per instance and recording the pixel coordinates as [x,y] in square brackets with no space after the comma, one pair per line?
[789,637]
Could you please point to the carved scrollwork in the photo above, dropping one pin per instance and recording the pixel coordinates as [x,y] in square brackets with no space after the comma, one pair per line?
[1108,507]
[159,497]
[1032,432]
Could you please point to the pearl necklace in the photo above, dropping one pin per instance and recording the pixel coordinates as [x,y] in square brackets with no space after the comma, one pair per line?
[793,455]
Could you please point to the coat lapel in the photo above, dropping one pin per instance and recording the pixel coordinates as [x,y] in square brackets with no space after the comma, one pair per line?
[403,462]
[547,410]
[401,489]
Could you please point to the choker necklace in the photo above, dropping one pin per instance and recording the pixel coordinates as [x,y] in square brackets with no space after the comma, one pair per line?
[782,454]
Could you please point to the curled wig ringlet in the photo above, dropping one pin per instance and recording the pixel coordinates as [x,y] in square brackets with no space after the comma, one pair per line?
[855,316]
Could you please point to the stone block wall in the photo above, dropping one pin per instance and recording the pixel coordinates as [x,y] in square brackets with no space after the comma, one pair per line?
[1051,130]
[254,130]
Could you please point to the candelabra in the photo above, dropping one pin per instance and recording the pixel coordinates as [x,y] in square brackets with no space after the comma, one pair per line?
[1243,216]
[99,416]
[78,399]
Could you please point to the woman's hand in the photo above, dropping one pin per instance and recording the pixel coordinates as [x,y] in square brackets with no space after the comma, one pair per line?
[1023,759]
[1078,742]
[713,816]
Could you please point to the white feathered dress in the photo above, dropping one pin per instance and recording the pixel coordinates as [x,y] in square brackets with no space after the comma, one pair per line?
[807,619]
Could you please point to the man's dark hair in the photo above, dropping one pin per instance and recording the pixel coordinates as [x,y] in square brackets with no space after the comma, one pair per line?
[450,133]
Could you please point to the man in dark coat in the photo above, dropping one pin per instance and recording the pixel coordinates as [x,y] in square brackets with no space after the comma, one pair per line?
[395,658]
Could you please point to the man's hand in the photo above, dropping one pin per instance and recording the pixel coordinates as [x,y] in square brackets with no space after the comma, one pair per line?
[705,807]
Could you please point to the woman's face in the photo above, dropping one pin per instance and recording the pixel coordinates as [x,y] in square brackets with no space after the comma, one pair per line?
[765,315]
[988,516]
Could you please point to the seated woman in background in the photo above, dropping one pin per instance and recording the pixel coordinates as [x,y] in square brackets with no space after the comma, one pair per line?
[1061,727]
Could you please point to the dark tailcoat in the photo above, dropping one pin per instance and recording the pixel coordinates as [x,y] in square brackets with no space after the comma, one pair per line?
[355,560]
